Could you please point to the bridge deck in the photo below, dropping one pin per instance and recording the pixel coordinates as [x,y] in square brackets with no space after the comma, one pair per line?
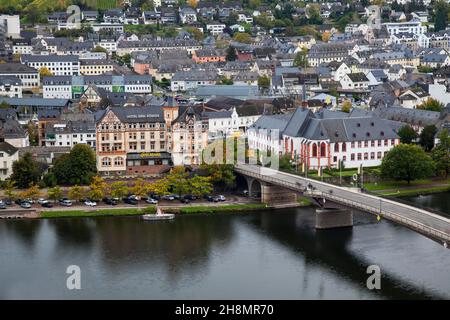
[417,219]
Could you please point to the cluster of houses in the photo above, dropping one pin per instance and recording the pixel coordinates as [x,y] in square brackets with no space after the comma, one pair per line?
[145,103]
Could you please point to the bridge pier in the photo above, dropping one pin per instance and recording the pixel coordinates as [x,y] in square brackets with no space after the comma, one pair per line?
[329,218]
[274,195]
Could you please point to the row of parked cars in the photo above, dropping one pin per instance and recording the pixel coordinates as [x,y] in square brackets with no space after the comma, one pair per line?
[131,199]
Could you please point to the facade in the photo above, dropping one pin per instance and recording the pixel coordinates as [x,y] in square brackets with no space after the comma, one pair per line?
[10,86]
[58,65]
[189,80]
[8,154]
[92,67]
[132,140]
[28,76]
[67,87]
[326,139]
[189,137]
[215,28]
[69,133]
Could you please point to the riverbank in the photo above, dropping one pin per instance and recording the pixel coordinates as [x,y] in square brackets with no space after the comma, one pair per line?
[205,208]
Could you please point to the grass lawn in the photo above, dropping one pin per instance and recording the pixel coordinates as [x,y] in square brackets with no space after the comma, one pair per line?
[415,191]
[96,213]
[385,185]
[223,208]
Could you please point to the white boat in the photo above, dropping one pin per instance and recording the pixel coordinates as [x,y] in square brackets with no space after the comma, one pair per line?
[159,215]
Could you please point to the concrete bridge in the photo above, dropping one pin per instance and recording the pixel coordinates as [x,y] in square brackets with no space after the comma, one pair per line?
[279,187]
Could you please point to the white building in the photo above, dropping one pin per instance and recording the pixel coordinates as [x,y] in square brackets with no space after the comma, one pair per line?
[10,86]
[215,28]
[70,133]
[29,76]
[11,24]
[414,26]
[327,138]
[8,154]
[355,81]
[58,65]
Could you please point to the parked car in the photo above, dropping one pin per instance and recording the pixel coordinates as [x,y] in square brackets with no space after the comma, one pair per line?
[168,197]
[30,201]
[221,198]
[215,199]
[208,197]
[130,201]
[47,205]
[190,197]
[2,205]
[110,201]
[25,205]
[41,201]
[151,201]
[18,201]
[65,202]
[184,200]
[90,203]
[154,196]
[8,202]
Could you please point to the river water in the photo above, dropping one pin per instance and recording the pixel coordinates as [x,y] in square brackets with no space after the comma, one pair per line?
[262,255]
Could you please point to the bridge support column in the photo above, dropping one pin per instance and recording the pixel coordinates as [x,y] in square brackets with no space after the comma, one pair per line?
[329,218]
[249,185]
[274,195]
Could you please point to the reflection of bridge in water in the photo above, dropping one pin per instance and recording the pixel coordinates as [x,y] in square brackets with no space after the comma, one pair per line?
[331,250]
[278,187]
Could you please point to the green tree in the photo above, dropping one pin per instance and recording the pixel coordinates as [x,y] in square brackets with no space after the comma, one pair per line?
[222,175]
[99,49]
[264,83]
[9,189]
[441,10]
[431,105]
[97,188]
[177,180]
[25,171]
[242,37]
[77,167]
[406,162]
[76,192]
[159,187]
[231,54]
[407,134]
[441,154]
[54,193]
[118,189]
[139,188]
[426,138]
[4,105]
[33,135]
[301,59]
[346,106]
[200,185]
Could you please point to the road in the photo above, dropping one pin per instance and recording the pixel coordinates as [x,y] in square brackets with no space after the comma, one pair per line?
[417,219]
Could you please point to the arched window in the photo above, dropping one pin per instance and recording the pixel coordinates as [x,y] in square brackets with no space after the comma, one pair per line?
[314,150]
[336,147]
[118,161]
[106,162]
[323,149]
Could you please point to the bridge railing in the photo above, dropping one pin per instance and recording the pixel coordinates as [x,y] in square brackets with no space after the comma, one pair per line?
[358,205]
[385,213]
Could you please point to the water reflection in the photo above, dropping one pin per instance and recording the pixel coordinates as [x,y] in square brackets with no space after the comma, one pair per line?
[330,249]
[25,231]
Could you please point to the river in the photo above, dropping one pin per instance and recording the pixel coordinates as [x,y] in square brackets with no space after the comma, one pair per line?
[261,255]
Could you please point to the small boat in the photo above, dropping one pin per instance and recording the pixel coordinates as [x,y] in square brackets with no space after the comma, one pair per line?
[158,216]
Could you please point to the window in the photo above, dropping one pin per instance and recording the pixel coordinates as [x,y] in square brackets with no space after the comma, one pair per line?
[359,156]
[359,144]
[336,147]
[352,157]
[118,161]
[106,162]
[366,156]
[379,155]
[372,155]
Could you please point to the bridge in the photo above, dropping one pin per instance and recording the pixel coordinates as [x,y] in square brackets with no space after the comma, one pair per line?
[277,186]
